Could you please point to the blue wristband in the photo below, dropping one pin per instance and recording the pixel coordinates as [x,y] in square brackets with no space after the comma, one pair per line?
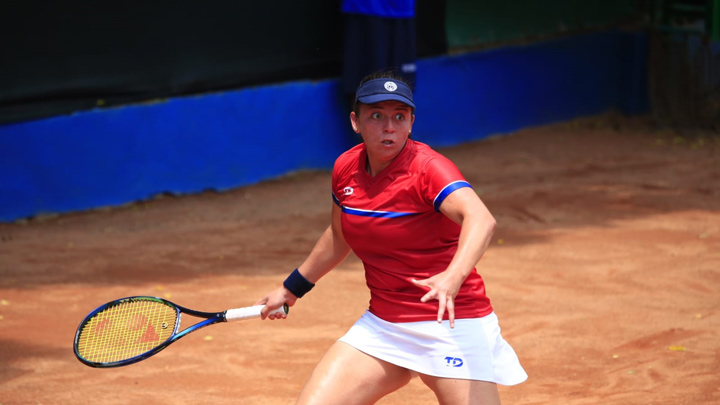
[297,284]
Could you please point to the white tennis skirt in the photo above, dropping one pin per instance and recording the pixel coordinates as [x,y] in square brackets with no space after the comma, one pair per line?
[473,350]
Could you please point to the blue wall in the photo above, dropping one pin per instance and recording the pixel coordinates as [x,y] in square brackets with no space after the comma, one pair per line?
[226,140]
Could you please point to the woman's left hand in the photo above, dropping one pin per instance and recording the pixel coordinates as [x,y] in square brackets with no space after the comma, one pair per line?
[462,206]
[444,288]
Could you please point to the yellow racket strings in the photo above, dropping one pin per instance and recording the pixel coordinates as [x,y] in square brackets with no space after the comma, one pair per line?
[126,330]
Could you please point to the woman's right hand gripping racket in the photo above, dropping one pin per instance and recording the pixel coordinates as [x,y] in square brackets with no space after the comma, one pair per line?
[132,329]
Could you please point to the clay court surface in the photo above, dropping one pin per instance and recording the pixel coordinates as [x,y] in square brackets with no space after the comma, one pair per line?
[604,272]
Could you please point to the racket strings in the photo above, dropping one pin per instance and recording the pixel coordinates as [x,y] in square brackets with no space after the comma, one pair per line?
[126,330]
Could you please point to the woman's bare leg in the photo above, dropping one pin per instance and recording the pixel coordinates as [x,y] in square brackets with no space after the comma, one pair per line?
[450,391]
[346,375]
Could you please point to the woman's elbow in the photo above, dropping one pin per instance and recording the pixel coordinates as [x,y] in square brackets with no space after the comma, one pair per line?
[490,225]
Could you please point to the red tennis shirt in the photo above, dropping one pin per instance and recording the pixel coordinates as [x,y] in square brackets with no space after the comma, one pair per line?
[393,224]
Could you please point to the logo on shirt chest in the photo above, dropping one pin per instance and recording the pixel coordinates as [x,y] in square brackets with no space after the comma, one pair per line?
[347,191]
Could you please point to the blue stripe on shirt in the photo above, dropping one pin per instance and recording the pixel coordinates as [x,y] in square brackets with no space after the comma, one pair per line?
[369,213]
[442,195]
[374,214]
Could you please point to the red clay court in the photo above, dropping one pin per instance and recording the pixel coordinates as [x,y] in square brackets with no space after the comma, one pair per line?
[604,271]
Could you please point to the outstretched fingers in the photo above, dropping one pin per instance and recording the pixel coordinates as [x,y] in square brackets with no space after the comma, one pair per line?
[445,298]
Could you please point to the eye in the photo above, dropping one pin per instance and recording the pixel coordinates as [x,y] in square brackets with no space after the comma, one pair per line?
[400,117]
[376,115]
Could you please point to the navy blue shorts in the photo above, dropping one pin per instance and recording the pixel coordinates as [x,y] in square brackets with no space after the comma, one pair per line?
[376,43]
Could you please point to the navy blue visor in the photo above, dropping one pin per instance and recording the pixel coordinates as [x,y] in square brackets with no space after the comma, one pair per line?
[377,90]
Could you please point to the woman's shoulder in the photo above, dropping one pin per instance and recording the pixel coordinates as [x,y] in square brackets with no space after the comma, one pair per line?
[427,156]
[349,158]
[351,154]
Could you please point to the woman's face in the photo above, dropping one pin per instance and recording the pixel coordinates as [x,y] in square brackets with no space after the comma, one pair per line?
[384,127]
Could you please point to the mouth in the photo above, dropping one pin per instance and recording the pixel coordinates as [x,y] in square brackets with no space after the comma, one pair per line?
[387,142]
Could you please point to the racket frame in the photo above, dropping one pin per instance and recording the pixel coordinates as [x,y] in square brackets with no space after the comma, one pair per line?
[211,318]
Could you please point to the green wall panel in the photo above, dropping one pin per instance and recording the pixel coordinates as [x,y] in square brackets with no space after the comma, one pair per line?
[480,22]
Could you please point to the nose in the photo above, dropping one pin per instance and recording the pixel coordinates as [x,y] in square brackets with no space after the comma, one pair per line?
[389,126]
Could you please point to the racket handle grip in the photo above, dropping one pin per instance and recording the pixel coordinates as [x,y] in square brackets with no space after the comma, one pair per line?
[240,314]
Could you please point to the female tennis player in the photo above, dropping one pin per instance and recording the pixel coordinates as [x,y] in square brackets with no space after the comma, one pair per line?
[419,228]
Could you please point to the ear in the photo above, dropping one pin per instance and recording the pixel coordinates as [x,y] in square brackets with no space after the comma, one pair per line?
[353,121]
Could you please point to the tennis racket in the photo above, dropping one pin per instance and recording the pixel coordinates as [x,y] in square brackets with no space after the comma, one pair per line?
[132,329]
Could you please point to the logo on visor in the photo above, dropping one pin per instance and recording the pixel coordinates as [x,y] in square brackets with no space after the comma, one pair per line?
[390,86]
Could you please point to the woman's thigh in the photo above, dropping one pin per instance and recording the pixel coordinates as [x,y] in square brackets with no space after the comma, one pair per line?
[451,391]
[348,376]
